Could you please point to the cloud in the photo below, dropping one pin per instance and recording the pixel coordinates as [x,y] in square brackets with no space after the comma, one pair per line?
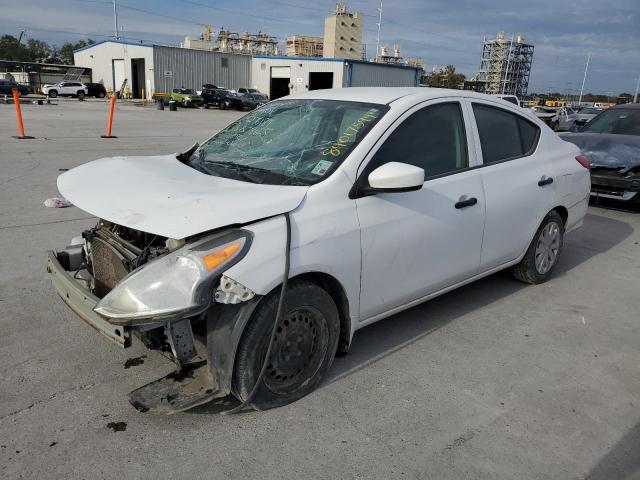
[439,31]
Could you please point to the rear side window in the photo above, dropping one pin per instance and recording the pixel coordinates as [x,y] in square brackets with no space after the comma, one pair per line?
[504,135]
[433,139]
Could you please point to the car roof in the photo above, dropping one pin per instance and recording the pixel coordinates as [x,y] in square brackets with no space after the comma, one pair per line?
[386,95]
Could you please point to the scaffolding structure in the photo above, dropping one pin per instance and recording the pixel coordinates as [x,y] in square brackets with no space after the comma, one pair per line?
[505,65]
[304,46]
[230,42]
[255,44]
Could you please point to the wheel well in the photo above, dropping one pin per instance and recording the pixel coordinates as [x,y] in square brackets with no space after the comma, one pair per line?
[563,212]
[337,293]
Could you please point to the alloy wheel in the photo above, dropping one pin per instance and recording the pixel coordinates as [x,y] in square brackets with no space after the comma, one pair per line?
[547,248]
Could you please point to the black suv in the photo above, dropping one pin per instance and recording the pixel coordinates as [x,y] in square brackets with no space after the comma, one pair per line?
[221,98]
[96,90]
[7,86]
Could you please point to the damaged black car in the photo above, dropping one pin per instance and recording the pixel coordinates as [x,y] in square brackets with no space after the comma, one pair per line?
[611,141]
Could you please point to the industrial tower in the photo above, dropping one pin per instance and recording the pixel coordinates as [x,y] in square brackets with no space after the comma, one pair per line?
[505,65]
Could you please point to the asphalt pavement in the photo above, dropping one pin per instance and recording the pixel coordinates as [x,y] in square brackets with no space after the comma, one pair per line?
[496,380]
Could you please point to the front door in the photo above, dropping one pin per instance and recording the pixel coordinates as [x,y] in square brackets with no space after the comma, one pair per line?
[416,243]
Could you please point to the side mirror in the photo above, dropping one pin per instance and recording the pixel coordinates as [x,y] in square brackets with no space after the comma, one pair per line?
[396,177]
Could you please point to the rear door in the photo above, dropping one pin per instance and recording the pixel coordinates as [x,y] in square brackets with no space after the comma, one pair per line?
[518,178]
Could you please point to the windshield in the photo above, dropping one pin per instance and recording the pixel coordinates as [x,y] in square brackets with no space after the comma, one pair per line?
[621,121]
[289,142]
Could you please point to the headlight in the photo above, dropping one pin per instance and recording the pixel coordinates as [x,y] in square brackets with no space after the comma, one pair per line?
[180,283]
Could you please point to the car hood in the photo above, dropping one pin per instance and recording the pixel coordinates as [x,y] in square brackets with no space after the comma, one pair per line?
[608,150]
[162,196]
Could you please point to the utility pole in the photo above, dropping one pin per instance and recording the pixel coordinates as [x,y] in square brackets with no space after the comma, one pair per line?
[379,25]
[635,97]
[115,21]
[584,79]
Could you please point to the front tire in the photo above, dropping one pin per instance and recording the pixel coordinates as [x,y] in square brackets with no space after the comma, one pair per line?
[52,94]
[543,253]
[303,350]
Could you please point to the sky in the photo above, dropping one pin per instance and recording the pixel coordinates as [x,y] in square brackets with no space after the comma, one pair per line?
[440,32]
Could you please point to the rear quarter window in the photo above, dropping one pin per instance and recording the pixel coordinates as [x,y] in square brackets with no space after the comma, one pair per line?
[504,135]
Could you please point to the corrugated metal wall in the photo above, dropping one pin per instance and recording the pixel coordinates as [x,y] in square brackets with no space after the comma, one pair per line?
[377,75]
[300,69]
[181,67]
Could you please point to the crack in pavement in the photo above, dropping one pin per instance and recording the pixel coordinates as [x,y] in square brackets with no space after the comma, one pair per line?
[51,397]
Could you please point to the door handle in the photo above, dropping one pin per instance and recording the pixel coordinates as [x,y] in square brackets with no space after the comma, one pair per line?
[469,202]
[545,181]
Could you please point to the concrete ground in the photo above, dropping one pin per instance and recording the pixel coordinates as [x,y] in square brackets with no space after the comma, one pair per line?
[496,380]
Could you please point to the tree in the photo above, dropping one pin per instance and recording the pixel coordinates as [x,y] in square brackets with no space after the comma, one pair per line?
[39,50]
[10,49]
[65,54]
[447,78]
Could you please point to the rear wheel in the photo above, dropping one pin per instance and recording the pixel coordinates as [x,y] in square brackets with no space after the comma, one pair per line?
[542,255]
[101,95]
[554,126]
[303,350]
[80,94]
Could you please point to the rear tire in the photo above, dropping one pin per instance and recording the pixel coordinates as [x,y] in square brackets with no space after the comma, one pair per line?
[80,94]
[543,253]
[554,126]
[303,351]
[101,95]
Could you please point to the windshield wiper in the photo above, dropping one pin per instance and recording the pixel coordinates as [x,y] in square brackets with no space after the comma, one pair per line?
[241,171]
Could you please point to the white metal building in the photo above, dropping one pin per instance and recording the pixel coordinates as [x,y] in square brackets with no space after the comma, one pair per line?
[159,69]
[279,76]
[114,60]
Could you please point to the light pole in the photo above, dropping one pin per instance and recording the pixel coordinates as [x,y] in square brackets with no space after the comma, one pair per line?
[379,25]
[584,79]
[635,97]
[115,21]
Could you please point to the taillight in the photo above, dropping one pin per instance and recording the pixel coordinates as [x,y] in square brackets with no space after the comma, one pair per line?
[584,161]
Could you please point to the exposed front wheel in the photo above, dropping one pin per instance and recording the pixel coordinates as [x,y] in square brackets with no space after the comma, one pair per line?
[304,346]
[543,252]
[52,94]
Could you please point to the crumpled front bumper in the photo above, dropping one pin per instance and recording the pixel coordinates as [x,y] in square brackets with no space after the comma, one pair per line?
[82,302]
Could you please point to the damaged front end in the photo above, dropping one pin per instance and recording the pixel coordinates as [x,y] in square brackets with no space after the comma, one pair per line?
[124,282]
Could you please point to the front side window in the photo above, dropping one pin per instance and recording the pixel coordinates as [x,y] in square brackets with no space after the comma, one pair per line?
[288,142]
[504,135]
[433,139]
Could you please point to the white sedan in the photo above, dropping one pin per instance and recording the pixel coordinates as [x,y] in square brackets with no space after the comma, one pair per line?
[256,256]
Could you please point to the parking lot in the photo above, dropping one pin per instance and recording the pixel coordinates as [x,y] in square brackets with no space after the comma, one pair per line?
[496,380]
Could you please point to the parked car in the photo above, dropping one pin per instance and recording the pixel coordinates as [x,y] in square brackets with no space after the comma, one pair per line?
[7,86]
[253,100]
[564,119]
[510,98]
[242,91]
[222,98]
[187,97]
[306,220]
[546,114]
[96,90]
[612,142]
[585,115]
[65,89]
